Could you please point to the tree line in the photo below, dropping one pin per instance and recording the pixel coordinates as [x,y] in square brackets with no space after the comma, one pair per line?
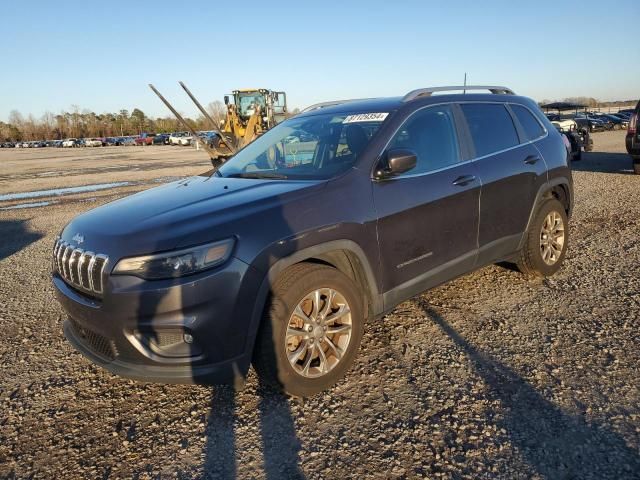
[87,124]
[592,102]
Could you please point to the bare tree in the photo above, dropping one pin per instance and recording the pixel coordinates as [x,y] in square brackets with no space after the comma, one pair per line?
[218,112]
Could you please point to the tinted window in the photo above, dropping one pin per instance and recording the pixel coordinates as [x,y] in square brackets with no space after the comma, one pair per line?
[307,147]
[491,127]
[531,125]
[431,134]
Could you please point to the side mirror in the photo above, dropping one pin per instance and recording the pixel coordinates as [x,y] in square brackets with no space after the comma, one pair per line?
[398,160]
[226,99]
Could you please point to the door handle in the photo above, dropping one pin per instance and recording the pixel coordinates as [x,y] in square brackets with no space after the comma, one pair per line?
[531,159]
[464,180]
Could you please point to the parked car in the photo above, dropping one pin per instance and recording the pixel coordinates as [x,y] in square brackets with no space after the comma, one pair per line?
[617,123]
[179,138]
[145,139]
[161,139]
[632,139]
[93,142]
[70,142]
[595,124]
[623,115]
[577,131]
[279,258]
[129,141]
[574,139]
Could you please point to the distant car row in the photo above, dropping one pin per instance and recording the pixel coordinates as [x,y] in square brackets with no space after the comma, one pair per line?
[596,121]
[176,138]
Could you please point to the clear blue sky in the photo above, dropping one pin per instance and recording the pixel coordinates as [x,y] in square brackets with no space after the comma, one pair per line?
[101,55]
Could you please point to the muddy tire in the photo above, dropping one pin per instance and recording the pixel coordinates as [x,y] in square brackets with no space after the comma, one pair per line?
[546,241]
[311,330]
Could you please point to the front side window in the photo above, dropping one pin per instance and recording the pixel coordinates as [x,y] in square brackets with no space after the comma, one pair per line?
[491,127]
[431,135]
[532,127]
[312,147]
[249,102]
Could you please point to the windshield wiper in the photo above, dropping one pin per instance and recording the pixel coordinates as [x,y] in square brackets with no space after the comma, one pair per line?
[275,176]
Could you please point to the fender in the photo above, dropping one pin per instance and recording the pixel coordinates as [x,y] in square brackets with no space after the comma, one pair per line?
[544,188]
[300,256]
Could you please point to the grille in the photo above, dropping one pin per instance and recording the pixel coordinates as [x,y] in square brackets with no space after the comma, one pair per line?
[80,269]
[96,342]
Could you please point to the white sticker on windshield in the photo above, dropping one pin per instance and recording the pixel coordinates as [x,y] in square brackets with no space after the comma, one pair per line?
[366,117]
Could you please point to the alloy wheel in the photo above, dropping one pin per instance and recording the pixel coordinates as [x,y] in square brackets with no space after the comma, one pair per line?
[552,238]
[318,333]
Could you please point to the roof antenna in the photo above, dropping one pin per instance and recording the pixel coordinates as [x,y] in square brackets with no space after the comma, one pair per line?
[464,91]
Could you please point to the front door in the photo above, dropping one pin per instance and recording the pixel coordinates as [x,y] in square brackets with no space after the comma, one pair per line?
[428,216]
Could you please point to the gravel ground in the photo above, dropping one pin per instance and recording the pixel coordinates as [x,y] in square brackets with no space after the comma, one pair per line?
[489,376]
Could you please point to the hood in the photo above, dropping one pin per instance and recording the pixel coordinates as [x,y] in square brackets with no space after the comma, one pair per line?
[180,214]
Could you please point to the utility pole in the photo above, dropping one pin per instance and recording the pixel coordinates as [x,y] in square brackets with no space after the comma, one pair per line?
[465,83]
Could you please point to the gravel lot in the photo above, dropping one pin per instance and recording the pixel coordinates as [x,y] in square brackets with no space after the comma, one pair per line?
[489,376]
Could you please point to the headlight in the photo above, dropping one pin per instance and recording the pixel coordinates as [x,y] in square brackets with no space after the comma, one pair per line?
[176,263]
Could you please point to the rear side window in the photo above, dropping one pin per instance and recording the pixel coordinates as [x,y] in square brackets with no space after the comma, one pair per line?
[530,124]
[491,127]
[431,134]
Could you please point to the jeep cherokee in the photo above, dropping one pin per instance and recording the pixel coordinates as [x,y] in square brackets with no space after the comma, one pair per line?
[329,219]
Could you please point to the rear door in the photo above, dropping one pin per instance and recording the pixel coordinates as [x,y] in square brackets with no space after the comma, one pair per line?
[511,170]
[428,216]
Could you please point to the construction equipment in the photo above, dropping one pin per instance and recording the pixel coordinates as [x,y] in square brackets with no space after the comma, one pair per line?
[249,113]
[252,112]
[215,154]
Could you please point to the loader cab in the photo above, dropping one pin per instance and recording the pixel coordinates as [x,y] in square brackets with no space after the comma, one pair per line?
[247,101]
[272,104]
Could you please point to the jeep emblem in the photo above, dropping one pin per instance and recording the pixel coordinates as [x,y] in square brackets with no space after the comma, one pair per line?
[78,238]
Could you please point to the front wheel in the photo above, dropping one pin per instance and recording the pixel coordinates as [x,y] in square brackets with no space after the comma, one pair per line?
[636,166]
[546,241]
[311,330]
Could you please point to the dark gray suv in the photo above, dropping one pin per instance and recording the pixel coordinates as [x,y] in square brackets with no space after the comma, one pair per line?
[328,220]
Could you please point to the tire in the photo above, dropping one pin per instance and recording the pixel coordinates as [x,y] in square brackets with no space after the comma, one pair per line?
[578,156]
[636,167]
[295,287]
[531,261]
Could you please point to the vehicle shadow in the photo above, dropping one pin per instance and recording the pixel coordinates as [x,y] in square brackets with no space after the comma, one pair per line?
[173,307]
[279,441]
[556,444]
[604,162]
[280,444]
[15,236]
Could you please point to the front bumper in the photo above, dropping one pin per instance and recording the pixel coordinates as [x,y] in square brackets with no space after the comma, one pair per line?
[196,329]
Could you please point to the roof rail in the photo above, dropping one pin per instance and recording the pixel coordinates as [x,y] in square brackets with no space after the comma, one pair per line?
[317,106]
[427,92]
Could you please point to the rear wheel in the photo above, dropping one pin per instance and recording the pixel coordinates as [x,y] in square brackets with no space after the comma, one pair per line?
[311,330]
[636,166]
[577,156]
[546,241]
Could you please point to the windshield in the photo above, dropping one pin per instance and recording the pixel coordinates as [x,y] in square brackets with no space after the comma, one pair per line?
[316,147]
[249,102]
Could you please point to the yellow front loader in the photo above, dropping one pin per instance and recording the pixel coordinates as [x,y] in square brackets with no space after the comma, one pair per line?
[250,113]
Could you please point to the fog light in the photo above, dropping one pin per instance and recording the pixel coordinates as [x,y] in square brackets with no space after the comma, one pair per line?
[188,338]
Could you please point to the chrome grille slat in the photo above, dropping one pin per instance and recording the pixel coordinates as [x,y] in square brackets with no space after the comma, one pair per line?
[65,262]
[80,269]
[74,258]
[92,264]
[59,257]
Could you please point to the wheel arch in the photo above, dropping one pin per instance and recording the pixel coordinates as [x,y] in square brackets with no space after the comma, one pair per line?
[343,255]
[558,188]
